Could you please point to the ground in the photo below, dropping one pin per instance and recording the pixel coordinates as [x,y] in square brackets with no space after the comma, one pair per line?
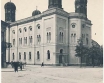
[50,74]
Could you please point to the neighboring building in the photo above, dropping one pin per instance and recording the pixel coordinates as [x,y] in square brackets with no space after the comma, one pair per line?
[49,37]
[3,43]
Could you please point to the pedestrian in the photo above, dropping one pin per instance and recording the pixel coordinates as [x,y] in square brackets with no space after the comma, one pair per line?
[16,64]
[42,64]
[21,66]
[12,64]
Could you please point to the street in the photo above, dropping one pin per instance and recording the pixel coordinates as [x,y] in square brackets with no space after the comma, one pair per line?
[50,74]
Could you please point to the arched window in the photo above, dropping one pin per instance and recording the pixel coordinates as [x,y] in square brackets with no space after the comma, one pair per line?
[24,55]
[20,30]
[29,55]
[62,36]
[49,36]
[30,28]
[13,56]
[74,37]
[19,55]
[25,29]
[61,51]
[39,38]
[13,32]
[48,54]
[87,41]
[26,40]
[38,26]
[21,40]
[38,55]
[13,41]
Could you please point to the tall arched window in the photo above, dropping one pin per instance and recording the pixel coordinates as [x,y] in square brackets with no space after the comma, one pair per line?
[13,41]
[21,40]
[87,41]
[24,55]
[48,54]
[39,38]
[62,36]
[19,55]
[29,55]
[13,56]
[74,37]
[38,55]
[30,39]
[47,36]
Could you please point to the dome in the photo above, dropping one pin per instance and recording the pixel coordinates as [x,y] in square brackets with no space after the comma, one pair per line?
[10,5]
[36,12]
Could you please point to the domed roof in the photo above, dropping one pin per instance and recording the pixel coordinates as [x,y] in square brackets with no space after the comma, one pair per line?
[36,12]
[10,5]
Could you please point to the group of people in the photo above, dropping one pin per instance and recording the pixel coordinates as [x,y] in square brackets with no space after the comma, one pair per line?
[15,65]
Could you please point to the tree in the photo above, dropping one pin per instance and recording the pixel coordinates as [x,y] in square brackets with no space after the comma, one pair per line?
[96,55]
[81,51]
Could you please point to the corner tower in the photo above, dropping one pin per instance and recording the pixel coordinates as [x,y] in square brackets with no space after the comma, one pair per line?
[81,6]
[10,12]
[55,3]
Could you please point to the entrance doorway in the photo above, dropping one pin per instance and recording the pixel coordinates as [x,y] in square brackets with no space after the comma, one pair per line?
[60,56]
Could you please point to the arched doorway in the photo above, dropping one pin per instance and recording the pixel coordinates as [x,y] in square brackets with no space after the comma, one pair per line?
[60,56]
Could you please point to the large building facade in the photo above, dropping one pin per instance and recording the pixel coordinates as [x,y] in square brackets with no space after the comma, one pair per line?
[49,37]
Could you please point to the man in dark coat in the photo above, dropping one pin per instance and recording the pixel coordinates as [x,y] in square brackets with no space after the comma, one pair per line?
[42,64]
[21,66]
[16,64]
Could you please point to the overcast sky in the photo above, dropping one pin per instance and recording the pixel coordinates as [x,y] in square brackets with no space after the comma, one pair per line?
[24,9]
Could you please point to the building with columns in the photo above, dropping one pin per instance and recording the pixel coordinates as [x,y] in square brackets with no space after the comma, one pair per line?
[49,37]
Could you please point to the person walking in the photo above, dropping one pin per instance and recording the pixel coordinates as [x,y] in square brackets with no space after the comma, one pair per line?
[21,66]
[42,64]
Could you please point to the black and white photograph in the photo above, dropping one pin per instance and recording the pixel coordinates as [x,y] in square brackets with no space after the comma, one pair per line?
[52,41]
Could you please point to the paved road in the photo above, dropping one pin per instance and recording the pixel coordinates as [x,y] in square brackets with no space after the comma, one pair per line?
[37,74]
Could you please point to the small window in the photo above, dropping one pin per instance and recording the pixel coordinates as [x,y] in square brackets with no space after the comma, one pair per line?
[38,26]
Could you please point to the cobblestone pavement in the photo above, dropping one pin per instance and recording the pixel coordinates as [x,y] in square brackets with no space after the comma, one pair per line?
[47,74]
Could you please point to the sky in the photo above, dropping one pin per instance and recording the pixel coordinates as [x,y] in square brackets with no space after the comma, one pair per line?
[24,9]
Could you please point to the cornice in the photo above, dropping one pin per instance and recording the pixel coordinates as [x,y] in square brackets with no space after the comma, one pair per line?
[79,16]
[48,12]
